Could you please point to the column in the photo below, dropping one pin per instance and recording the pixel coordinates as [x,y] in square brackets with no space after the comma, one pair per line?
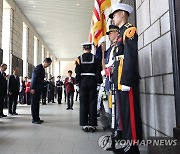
[7,38]
[25,49]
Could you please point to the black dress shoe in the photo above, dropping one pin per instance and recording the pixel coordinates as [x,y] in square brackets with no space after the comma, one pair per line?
[41,121]
[68,108]
[36,122]
[3,115]
[117,135]
[92,129]
[85,128]
[15,113]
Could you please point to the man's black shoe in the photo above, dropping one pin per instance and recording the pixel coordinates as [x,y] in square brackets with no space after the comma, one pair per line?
[128,149]
[36,122]
[15,113]
[42,121]
[68,108]
[117,135]
[92,129]
[10,113]
[3,115]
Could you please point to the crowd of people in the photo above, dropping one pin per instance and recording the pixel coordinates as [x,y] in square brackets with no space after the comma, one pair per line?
[15,89]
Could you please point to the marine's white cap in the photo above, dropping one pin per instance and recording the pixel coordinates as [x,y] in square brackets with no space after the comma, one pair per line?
[86,43]
[120,6]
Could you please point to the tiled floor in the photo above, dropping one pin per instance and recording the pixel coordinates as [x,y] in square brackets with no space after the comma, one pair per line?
[60,134]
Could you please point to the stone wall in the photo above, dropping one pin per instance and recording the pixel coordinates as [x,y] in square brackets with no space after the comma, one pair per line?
[155,66]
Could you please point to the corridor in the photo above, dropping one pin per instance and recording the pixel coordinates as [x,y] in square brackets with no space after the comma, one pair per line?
[60,134]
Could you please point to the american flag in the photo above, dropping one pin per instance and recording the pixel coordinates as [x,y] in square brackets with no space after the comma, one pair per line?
[98,22]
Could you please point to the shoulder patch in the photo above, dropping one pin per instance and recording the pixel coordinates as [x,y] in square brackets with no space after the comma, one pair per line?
[77,61]
[127,25]
[129,33]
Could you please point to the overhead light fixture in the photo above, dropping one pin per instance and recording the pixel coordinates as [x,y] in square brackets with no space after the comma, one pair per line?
[77,4]
[34,6]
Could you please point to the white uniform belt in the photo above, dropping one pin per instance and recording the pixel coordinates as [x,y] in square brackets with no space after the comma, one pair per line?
[119,57]
[89,74]
[59,86]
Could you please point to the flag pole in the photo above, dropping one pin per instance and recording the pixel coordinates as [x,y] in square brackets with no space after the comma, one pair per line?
[103,47]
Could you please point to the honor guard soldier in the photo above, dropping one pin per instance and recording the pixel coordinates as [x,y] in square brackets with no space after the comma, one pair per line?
[109,61]
[126,76]
[59,85]
[88,75]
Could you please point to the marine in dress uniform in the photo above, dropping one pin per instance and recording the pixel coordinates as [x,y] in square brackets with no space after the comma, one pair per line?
[109,61]
[126,76]
[88,75]
[38,76]
[59,85]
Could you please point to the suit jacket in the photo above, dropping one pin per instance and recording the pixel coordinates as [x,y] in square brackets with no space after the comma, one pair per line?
[3,84]
[69,85]
[14,85]
[37,80]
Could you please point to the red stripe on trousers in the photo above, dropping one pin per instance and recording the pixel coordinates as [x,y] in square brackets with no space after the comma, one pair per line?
[132,116]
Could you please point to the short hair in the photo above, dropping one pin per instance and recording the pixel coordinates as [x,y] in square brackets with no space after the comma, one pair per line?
[70,71]
[87,47]
[2,65]
[127,13]
[15,68]
[47,60]
[58,76]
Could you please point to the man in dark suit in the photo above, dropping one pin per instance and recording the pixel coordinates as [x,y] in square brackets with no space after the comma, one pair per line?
[44,91]
[3,88]
[13,91]
[38,76]
[59,85]
[69,84]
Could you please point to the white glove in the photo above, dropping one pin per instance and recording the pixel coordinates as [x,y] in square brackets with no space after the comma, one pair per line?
[103,72]
[125,88]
